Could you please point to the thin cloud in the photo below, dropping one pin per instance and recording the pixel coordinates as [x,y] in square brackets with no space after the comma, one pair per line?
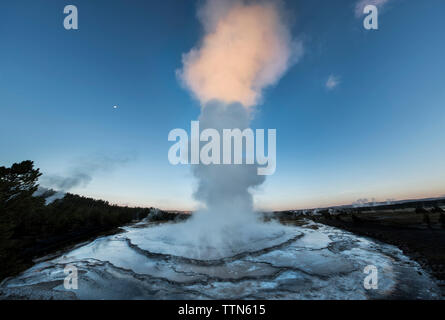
[82,174]
[332,82]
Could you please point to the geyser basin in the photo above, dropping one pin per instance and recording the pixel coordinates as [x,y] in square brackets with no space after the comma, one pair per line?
[211,243]
[145,262]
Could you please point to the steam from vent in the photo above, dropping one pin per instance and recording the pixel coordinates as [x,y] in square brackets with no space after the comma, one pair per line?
[225,189]
[66,183]
[82,174]
[247,46]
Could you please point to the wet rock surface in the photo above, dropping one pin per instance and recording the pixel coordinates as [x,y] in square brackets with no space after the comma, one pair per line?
[313,261]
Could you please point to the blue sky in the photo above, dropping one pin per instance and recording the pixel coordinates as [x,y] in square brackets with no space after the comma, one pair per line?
[379,133]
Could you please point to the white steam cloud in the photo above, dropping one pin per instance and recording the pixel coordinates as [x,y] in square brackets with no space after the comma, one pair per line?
[225,188]
[247,46]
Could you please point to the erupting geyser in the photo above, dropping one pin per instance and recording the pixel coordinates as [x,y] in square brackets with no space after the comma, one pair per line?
[247,46]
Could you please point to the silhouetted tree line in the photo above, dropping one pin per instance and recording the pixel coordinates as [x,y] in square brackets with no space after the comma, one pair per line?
[28,227]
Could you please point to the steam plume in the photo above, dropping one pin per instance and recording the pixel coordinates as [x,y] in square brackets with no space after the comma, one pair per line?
[225,188]
[82,174]
[246,47]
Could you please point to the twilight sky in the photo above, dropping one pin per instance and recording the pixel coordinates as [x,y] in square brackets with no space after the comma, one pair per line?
[361,115]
